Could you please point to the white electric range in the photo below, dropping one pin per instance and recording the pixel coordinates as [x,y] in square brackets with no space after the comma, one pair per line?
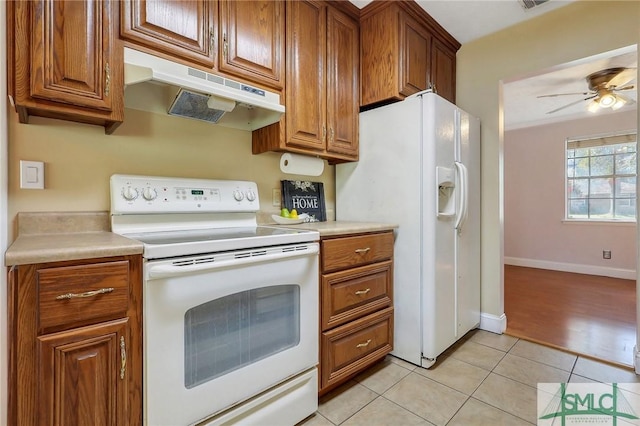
[230,308]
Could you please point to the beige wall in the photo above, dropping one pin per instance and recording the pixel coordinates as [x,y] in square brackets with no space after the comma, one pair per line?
[80,158]
[570,33]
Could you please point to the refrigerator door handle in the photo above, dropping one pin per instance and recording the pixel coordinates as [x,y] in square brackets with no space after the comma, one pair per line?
[463,184]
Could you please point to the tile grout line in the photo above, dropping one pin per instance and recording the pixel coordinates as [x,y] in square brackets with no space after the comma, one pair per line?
[492,371]
[480,384]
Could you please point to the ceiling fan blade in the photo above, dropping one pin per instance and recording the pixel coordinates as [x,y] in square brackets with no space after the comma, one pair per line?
[629,87]
[623,77]
[562,94]
[571,104]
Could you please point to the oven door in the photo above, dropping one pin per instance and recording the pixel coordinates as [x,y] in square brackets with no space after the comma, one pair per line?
[221,328]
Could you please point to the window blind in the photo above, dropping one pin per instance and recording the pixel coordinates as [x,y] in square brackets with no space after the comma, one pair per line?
[601,140]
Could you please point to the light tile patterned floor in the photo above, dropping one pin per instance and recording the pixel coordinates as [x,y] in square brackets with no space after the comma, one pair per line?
[485,379]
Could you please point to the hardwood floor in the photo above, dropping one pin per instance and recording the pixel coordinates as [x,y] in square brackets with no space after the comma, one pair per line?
[585,314]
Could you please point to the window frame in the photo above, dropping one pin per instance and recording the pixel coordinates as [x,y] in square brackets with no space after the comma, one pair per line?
[617,138]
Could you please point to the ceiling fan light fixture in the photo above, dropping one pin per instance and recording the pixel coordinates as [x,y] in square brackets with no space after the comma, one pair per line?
[607,100]
[620,102]
[594,106]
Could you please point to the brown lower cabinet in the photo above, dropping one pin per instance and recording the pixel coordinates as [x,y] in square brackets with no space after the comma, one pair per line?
[75,354]
[356,305]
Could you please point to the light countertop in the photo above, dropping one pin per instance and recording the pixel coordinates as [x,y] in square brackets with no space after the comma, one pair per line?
[341,227]
[52,237]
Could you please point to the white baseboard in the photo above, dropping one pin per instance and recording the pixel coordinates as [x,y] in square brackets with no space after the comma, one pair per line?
[493,323]
[627,274]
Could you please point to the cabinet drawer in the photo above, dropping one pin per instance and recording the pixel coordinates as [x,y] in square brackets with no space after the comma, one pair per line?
[341,253]
[348,349]
[80,295]
[350,294]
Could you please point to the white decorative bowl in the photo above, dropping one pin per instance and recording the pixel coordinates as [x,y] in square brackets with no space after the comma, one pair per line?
[289,221]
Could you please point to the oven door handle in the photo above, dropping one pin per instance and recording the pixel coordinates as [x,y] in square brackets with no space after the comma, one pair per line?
[165,270]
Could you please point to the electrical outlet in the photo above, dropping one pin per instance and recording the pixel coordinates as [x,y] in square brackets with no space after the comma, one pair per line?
[606,254]
[277,195]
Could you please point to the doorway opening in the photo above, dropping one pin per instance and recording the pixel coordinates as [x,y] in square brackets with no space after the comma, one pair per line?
[559,287]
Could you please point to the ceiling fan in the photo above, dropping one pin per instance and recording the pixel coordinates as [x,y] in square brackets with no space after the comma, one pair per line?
[604,86]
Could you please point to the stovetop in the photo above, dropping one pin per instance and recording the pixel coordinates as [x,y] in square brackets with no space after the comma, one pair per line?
[182,216]
[164,244]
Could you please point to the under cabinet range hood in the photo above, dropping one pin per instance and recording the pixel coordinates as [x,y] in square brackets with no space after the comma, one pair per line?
[162,86]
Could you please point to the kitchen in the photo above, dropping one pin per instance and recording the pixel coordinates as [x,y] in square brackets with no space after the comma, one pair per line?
[80,158]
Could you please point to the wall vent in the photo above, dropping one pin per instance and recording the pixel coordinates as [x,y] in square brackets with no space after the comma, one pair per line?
[530,4]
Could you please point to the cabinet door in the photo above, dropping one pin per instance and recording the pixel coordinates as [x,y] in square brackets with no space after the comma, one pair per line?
[443,71]
[252,34]
[414,56]
[73,54]
[83,376]
[343,83]
[185,29]
[379,50]
[305,88]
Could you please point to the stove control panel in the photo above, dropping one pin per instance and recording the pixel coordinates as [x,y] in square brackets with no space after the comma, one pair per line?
[132,194]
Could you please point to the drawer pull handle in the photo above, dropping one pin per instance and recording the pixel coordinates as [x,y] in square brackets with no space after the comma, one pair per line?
[123,358]
[363,345]
[363,250]
[85,294]
[363,291]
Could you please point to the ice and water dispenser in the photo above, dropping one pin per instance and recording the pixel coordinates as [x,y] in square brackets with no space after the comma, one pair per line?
[446,180]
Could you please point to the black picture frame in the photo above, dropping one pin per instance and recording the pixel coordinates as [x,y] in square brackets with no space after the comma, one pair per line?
[306,197]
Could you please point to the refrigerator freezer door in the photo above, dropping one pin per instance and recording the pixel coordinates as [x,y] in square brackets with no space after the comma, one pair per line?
[385,186]
[438,292]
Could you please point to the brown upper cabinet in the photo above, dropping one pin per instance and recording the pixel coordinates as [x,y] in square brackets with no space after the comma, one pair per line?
[404,51]
[239,38]
[66,61]
[322,84]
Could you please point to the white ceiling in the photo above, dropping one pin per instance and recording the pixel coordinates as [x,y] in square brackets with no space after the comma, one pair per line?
[468,20]
[523,108]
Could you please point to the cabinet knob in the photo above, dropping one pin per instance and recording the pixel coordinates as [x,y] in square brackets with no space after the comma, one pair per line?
[362,250]
[212,37]
[363,291]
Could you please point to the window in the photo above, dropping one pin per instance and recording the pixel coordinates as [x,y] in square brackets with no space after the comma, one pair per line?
[601,178]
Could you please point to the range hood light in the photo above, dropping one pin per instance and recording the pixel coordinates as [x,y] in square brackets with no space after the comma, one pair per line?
[224,104]
[200,95]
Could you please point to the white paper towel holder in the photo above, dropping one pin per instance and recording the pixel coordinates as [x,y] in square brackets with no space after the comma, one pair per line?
[296,164]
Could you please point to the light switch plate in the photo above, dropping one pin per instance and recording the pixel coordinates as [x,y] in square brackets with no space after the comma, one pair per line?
[31,174]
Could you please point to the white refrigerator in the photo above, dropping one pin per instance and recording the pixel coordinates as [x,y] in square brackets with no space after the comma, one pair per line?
[419,167]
